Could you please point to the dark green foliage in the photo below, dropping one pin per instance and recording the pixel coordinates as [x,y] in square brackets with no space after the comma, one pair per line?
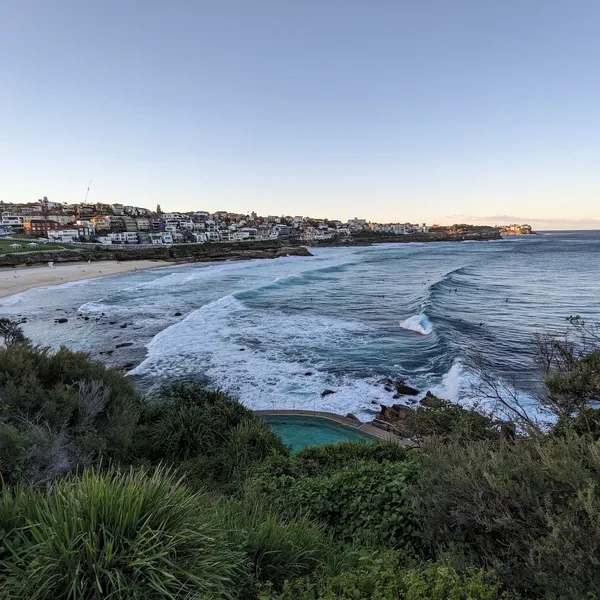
[188,420]
[124,536]
[358,500]
[277,547]
[60,410]
[321,460]
[249,443]
[387,576]
[437,417]
[10,332]
[334,456]
[530,511]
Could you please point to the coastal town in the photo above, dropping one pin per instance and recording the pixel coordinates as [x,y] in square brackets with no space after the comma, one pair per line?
[44,221]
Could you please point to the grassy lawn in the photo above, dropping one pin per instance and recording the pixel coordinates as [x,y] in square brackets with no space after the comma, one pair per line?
[6,249]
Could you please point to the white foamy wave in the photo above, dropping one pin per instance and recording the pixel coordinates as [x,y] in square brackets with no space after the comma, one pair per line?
[456,385]
[465,387]
[92,308]
[419,323]
[264,358]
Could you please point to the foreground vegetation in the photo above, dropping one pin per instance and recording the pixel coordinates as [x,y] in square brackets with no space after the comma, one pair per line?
[189,495]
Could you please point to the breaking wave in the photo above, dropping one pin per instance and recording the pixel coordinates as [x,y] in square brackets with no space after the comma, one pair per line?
[419,323]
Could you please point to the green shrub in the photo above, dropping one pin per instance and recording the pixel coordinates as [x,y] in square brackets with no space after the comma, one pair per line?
[61,410]
[388,577]
[530,511]
[442,418]
[365,501]
[112,535]
[249,444]
[278,547]
[188,420]
[335,456]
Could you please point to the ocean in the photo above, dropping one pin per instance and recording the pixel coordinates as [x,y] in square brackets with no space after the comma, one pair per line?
[276,333]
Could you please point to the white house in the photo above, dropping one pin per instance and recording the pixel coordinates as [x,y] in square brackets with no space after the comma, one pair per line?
[12,219]
[64,235]
[15,246]
[161,238]
[125,237]
[245,233]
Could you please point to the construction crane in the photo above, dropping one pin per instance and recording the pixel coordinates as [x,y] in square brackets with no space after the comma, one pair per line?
[87,192]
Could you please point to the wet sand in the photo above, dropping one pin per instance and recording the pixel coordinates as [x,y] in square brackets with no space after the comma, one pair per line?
[17,280]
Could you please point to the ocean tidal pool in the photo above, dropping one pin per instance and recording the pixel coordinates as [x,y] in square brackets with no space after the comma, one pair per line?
[302,431]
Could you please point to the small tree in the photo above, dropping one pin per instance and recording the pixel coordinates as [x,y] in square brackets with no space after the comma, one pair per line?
[569,367]
[11,332]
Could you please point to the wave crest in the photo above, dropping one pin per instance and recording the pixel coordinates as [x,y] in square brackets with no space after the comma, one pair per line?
[419,323]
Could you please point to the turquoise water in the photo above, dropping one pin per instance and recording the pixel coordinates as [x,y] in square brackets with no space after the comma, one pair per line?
[300,432]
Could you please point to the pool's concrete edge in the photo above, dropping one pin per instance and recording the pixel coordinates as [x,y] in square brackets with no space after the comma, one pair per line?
[347,421]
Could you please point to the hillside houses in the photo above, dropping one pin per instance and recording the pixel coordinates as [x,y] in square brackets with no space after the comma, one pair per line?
[125,224]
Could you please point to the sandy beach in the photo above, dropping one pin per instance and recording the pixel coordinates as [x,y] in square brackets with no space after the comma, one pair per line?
[15,281]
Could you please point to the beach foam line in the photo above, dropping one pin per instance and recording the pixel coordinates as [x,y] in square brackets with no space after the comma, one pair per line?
[17,281]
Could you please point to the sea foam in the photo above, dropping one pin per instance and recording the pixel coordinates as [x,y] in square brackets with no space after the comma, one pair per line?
[419,323]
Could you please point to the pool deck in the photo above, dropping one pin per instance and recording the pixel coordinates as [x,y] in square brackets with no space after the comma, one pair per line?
[347,421]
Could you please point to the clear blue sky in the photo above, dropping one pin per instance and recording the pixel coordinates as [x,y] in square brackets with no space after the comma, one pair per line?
[420,110]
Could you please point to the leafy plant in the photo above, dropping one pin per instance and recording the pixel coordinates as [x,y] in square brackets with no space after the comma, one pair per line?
[389,576]
[60,410]
[364,501]
[278,547]
[134,535]
[529,511]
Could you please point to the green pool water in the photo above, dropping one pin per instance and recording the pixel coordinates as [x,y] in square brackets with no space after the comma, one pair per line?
[300,432]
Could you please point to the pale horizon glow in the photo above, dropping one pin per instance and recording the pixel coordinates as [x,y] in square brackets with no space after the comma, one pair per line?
[392,110]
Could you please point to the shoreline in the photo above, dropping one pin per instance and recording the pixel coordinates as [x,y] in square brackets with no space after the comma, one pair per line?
[22,277]
[44,276]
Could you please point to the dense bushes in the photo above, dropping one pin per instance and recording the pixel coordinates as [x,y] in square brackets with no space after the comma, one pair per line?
[441,418]
[60,410]
[277,546]
[123,536]
[529,511]
[390,576]
[469,516]
[212,437]
[187,420]
[357,490]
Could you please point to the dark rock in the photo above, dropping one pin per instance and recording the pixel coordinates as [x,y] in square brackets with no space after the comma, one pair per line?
[61,320]
[123,326]
[87,318]
[112,322]
[241,349]
[308,373]
[388,388]
[178,314]
[353,417]
[128,366]
[109,352]
[404,389]
[327,393]
[381,424]
[124,345]
[386,381]
[393,414]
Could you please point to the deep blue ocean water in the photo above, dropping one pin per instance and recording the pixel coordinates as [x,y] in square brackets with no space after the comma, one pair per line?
[347,316]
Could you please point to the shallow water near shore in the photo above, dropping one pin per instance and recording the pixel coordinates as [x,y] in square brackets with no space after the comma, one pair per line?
[276,333]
